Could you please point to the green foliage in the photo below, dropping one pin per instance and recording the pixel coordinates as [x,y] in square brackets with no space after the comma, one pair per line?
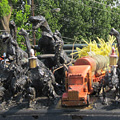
[101,16]
[88,19]
[115,18]
[80,19]
[45,7]
[14,1]
[21,18]
[75,20]
[4,8]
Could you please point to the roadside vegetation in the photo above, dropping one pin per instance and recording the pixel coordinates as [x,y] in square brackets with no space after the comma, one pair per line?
[77,19]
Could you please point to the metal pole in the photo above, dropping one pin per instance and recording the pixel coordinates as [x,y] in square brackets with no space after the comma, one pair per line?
[32,6]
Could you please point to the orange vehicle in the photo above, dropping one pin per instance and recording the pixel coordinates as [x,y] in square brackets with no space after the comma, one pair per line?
[81,79]
[2,58]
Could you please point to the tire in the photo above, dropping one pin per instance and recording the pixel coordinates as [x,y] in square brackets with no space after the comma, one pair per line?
[88,99]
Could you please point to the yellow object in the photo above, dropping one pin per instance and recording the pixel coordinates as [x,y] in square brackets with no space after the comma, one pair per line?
[33,62]
[113,57]
[113,61]
[92,48]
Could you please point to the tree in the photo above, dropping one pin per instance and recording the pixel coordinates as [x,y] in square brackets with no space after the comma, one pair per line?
[101,18]
[13,9]
[79,19]
[45,8]
[115,22]
[5,12]
[21,16]
[86,19]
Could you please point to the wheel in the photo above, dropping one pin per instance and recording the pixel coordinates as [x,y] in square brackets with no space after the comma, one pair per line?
[88,99]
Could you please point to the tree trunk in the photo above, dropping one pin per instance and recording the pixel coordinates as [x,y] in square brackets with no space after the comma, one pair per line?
[4,25]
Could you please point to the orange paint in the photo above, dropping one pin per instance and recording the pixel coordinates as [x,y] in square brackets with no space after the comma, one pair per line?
[79,81]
